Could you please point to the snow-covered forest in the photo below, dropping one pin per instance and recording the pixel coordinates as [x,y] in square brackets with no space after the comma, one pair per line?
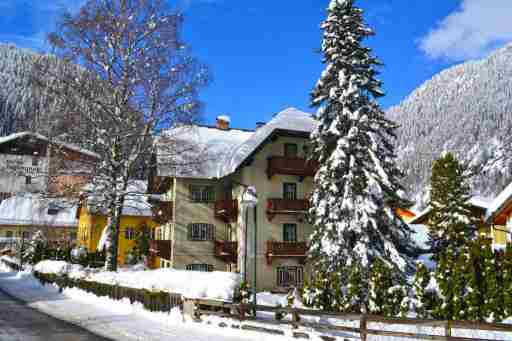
[466,110]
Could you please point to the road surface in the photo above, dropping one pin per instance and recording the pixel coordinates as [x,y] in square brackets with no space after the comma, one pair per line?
[19,322]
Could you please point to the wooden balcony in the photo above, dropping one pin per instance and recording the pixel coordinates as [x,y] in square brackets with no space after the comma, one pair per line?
[226,210]
[160,248]
[226,251]
[291,166]
[286,206]
[286,250]
[162,211]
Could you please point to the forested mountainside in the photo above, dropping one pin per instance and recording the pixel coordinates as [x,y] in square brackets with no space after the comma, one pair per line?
[24,106]
[466,109]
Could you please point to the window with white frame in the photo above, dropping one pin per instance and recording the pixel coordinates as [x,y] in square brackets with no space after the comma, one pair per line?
[201,232]
[200,267]
[201,193]
[290,276]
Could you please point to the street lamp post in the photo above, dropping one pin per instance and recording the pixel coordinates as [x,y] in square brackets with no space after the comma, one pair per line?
[250,199]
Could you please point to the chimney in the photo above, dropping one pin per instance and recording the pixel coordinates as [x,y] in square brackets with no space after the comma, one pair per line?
[223,122]
[259,125]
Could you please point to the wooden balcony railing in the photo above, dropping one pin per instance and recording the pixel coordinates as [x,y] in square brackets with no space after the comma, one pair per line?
[162,211]
[226,251]
[226,210]
[291,166]
[160,248]
[286,206]
[286,250]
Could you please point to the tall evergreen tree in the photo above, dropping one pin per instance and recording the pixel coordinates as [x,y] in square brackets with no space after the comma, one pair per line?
[452,224]
[356,186]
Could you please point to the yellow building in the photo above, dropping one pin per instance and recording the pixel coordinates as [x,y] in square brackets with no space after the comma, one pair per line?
[137,215]
[23,215]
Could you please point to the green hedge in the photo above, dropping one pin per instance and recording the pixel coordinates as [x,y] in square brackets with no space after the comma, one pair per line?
[157,301]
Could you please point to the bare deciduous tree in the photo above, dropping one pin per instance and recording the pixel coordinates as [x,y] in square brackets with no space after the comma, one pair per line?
[137,78]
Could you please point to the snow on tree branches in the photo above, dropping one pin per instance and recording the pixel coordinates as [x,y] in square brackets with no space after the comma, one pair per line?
[137,79]
[356,187]
[357,184]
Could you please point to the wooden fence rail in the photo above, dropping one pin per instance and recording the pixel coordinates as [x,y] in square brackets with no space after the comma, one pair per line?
[244,312]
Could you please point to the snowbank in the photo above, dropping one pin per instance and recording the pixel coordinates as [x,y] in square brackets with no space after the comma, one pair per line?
[191,284]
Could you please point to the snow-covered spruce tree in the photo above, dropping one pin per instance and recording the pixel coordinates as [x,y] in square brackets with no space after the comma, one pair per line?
[451,223]
[36,247]
[137,79]
[356,187]
[474,295]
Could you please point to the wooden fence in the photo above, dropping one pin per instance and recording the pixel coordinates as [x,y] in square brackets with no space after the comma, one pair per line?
[245,312]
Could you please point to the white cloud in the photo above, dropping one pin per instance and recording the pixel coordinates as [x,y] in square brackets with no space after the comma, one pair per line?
[472,31]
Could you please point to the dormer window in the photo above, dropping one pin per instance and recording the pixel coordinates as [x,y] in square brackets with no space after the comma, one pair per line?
[291,150]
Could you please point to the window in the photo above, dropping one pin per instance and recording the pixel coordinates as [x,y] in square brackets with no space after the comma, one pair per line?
[201,232]
[288,276]
[72,236]
[26,235]
[200,267]
[290,232]
[53,209]
[202,193]
[28,180]
[290,191]
[9,234]
[129,233]
[291,150]
[35,161]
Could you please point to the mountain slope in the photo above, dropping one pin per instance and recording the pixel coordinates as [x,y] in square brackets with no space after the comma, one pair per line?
[465,109]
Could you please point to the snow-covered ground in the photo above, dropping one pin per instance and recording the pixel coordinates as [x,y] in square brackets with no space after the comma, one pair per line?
[118,320]
[191,284]
[121,320]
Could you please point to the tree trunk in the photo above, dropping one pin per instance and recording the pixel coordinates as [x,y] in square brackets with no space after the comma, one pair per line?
[113,249]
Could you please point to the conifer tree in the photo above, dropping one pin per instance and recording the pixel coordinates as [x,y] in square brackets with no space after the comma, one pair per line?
[451,223]
[423,300]
[507,280]
[493,308]
[474,296]
[356,186]
[36,249]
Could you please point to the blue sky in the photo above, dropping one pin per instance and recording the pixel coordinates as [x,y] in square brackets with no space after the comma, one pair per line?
[263,57]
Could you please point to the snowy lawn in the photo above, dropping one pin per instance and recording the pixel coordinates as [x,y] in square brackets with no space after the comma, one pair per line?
[118,320]
[191,284]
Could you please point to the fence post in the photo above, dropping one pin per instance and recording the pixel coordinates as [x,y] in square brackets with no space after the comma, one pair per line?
[363,327]
[448,329]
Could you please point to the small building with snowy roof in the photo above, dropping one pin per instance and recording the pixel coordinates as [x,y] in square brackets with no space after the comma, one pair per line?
[24,164]
[23,215]
[204,173]
[480,207]
[499,216]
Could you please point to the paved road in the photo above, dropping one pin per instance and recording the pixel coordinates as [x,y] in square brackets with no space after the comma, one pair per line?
[19,322]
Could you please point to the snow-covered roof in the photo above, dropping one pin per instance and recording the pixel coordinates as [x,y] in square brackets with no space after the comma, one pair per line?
[224,151]
[136,201]
[32,210]
[475,201]
[69,146]
[499,203]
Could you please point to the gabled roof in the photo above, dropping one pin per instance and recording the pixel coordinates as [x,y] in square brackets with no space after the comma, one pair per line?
[476,201]
[32,210]
[223,152]
[498,205]
[24,134]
